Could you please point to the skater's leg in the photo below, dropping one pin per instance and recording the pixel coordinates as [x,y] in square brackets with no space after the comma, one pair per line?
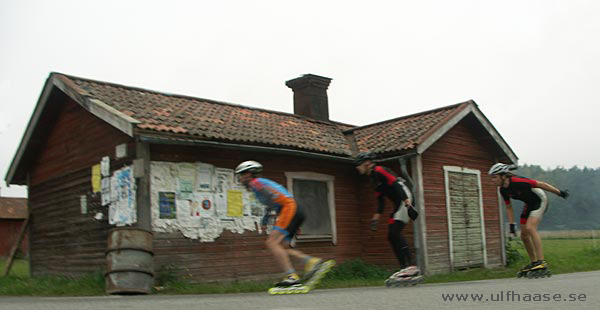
[536,240]
[399,243]
[528,243]
[274,244]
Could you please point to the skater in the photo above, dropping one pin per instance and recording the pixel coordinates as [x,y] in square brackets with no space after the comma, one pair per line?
[387,184]
[289,218]
[531,192]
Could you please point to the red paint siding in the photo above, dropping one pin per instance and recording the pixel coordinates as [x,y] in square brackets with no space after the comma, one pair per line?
[244,256]
[63,241]
[462,147]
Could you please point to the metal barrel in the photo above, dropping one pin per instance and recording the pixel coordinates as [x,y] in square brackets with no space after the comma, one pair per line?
[130,261]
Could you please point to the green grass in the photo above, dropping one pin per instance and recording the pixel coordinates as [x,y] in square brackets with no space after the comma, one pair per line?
[563,255]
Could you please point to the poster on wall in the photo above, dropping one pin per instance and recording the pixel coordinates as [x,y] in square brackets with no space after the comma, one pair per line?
[224,182]
[96,179]
[167,207]
[105,166]
[105,191]
[185,181]
[205,177]
[123,210]
[235,205]
[214,204]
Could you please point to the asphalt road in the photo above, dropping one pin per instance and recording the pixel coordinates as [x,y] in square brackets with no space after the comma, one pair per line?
[566,291]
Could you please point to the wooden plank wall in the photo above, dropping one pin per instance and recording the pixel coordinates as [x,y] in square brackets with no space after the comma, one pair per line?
[242,257]
[461,146]
[63,241]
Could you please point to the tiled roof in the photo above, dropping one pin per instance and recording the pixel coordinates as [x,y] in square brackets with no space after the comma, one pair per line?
[212,120]
[13,208]
[404,133]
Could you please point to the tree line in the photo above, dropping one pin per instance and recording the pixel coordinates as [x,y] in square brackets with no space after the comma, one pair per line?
[581,211]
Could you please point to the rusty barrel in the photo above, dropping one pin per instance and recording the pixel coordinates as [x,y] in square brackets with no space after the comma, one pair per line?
[129,260]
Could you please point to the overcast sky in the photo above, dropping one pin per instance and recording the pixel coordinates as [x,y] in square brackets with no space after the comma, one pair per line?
[533,67]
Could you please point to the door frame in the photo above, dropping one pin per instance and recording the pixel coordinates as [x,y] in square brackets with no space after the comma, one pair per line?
[448,169]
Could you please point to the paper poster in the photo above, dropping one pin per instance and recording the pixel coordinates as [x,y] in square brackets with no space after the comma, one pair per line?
[205,177]
[185,181]
[166,205]
[123,211]
[235,205]
[96,179]
[105,166]
[105,191]
[224,182]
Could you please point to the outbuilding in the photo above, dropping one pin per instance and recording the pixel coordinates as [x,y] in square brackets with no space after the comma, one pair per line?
[98,155]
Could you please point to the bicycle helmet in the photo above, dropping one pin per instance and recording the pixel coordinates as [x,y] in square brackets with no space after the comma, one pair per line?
[250,165]
[500,168]
[362,157]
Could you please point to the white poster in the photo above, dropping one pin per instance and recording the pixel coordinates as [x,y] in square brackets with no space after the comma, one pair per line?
[224,182]
[123,211]
[204,177]
[185,181]
[105,191]
[105,166]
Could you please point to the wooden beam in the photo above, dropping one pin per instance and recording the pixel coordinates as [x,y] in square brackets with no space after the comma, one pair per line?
[13,251]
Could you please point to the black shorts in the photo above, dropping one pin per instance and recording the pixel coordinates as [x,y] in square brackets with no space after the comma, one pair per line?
[292,229]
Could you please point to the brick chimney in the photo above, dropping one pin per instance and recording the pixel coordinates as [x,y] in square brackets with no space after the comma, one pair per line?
[310,96]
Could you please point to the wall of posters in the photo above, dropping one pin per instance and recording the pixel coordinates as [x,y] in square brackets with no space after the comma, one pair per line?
[206,201]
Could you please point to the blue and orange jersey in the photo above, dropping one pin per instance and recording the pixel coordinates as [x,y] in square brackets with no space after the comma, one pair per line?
[275,197]
[520,188]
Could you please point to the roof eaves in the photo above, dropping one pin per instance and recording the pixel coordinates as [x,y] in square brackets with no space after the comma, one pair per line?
[404,117]
[114,117]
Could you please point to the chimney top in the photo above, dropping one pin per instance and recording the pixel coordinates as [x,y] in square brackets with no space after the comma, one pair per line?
[308,80]
[310,96]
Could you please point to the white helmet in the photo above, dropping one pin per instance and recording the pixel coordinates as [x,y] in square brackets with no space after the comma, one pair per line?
[501,168]
[249,165]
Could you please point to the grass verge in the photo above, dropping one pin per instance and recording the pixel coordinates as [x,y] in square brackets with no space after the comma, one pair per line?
[563,255]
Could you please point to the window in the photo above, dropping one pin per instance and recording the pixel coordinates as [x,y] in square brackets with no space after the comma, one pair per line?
[314,193]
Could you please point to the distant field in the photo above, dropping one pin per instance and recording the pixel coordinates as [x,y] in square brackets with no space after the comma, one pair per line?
[570,234]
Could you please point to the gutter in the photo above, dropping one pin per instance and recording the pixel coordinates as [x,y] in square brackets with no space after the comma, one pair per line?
[255,148]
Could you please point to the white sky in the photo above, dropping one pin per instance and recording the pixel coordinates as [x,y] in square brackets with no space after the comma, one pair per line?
[533,67]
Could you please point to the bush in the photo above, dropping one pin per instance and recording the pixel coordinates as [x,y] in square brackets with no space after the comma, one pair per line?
[512,253]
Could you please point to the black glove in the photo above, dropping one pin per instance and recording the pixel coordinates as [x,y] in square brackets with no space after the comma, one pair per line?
[513,228]
[564,193]
[374,225]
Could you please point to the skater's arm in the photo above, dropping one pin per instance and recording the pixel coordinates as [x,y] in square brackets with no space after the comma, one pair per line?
[509,213]
[549,188]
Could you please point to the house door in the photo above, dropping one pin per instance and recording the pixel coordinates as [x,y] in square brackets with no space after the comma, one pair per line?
[465,217]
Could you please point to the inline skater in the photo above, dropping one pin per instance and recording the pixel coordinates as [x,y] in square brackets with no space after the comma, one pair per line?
[387,184]
[289,218]
[531,192]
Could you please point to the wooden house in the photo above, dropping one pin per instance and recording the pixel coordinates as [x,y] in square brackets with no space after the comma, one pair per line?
[180,151]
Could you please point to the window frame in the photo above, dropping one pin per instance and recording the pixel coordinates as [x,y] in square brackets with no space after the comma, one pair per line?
[329,180]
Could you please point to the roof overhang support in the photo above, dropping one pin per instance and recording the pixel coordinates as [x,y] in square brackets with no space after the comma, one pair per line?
[114,117]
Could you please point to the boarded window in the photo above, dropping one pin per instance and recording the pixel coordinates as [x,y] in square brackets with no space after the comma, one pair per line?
[465,218]
[314,194]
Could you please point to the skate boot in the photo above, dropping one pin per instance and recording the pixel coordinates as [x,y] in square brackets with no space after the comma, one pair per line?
[407,276]
[524,270]
[311,267]
[290,280]
[539,270]
[290,285]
